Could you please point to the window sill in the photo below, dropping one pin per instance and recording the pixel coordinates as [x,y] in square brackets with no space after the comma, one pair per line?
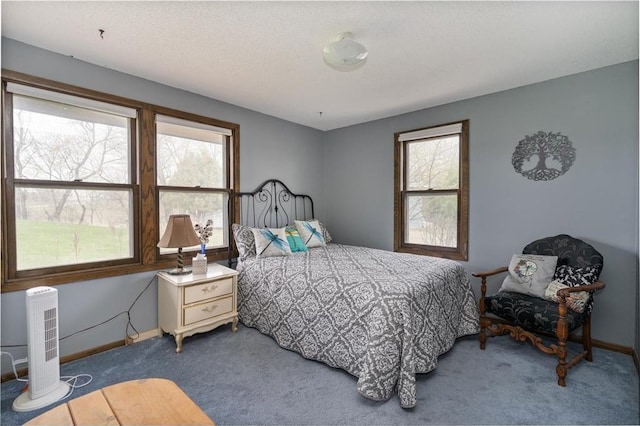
[20,284]
[452,254]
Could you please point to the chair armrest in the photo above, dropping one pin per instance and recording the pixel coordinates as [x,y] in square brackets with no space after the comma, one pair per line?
[490,273]
[598,285]
[483,286]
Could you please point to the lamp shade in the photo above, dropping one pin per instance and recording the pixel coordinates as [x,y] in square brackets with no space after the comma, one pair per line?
[179,233]
[345,54]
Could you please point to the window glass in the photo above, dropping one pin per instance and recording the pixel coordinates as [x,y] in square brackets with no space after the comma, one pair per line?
[192,176]
[59,142]
[201,207]
[433,163]
[431,191]
[60,151]
[90,179]
[190,158]
[432,220]
[56,226]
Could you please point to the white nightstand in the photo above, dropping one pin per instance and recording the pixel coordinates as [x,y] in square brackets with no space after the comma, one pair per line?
[190,304]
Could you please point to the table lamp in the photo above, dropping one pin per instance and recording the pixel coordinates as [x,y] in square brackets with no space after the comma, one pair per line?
[179,233]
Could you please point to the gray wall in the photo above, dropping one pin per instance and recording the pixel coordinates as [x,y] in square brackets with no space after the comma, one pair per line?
[264,141]
[349,172]
[595,200]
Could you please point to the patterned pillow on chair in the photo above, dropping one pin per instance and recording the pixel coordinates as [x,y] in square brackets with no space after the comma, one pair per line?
[576,301]
[574,277]
[529,274]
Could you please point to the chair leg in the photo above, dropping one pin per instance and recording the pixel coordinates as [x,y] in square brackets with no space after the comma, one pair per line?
[482,311]
[586,338]
[482,336]
[562,332]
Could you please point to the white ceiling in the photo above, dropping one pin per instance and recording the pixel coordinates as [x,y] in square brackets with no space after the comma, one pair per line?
[267,56]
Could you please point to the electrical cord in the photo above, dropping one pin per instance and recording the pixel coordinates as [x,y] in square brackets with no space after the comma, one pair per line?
[72,381]
[127,312]
[13,365]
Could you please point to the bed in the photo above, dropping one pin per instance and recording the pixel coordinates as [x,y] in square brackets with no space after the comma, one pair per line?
[380,316]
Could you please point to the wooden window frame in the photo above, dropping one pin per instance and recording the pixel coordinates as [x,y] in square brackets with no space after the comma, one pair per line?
[216,253]
[460,252]
[145,256]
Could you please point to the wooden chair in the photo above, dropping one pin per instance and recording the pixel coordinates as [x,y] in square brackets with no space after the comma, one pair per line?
[526,317]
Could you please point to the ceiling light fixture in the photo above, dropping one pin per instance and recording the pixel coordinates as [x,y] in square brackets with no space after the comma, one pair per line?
[345,54]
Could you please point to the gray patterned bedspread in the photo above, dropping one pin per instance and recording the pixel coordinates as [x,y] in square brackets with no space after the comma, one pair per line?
[381,316]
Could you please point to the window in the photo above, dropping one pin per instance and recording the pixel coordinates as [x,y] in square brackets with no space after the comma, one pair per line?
[193,175]
[71,182]
[431,191]
[90,179]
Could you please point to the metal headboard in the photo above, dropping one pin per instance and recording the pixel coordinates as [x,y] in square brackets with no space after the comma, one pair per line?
[270,205]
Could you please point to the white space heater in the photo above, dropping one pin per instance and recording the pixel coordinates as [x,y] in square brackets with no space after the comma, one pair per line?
[45,386]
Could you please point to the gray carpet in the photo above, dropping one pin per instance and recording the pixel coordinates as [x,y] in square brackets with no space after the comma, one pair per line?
[246,378]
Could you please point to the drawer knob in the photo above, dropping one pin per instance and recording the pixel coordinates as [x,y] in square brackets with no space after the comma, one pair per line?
[208,289]
[209,309]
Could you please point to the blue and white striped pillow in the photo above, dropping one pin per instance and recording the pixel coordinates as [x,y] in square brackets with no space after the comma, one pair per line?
[295,241]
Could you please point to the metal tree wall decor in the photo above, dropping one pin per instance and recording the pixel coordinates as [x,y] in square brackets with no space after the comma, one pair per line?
[545,146]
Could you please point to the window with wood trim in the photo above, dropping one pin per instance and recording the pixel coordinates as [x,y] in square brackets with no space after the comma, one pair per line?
[193,175]
[432,191]
[89,180]
[70,182]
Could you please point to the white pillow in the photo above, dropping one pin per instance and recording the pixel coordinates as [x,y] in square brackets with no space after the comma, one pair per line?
[271,242]
[310,232]
[530,274]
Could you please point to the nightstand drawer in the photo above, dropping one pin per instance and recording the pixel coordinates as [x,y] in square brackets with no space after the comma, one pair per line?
[208,310]
[196,293]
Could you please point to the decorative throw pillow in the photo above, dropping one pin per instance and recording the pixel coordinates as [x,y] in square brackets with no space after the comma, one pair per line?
[530,274]
[325,233]
[575,276]
[271,242]
[245,241]
[294,239]
[310,232]
[576,301]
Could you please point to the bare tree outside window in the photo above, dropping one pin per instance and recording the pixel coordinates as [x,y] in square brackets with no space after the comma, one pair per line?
[431,191]
[192,177]
[432,165]
[58,150]
[89,180]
